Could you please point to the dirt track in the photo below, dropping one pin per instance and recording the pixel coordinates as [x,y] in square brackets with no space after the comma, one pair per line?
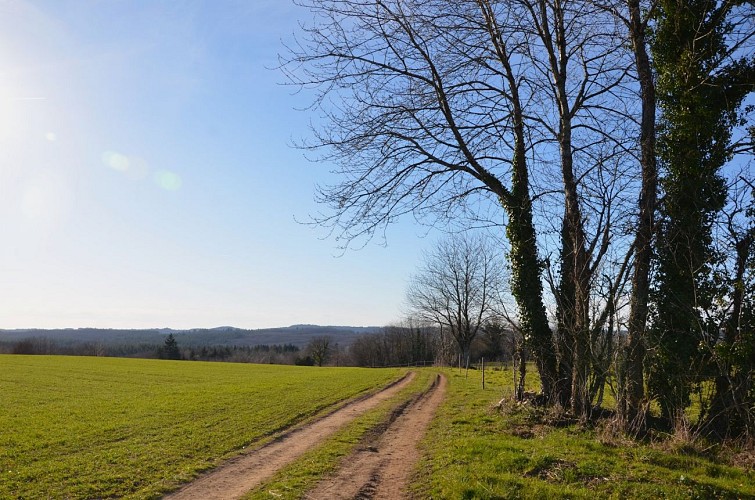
[239,475]
[382,469]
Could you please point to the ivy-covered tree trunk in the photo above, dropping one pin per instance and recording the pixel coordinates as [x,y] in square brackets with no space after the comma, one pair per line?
[573,300]
[526,267]
[526,285]
[698,97]
[526,271]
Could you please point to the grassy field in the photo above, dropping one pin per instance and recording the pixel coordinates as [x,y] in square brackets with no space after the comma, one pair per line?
[101,427]
[475,451]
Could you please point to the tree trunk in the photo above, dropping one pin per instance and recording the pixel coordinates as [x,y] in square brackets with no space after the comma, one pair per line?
[632,393]
[521,353]
[574,259]
[574,290]
[526,268]
[728,412]
[528,292]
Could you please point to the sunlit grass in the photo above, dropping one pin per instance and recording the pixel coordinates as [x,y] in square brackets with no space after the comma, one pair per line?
[101,427]
[476,451]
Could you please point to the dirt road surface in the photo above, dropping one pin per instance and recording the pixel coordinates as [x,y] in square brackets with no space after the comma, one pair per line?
[239,475]
[382,469]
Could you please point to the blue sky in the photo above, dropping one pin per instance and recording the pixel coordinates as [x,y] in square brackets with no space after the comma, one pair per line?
[147,177]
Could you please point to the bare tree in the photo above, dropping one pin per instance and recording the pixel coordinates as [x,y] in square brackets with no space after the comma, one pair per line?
[436,108]
[457,287]
[579,73]
[450,111]
[632,392]
[320,349]
[635,15]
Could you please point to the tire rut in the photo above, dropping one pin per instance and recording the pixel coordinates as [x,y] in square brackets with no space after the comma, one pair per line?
[240,474]
[382,468]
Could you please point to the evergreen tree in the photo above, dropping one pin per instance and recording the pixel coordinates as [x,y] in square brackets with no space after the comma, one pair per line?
[170,349]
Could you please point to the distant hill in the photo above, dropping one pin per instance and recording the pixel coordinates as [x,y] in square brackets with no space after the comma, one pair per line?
[298,335]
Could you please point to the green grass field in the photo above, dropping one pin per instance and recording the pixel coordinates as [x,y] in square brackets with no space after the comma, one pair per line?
[105,427]
[475,451]
[78,427]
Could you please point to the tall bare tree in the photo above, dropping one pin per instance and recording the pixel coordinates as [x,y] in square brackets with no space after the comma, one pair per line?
[458,286]
[632,392]
[444,110]
[636,15]
[424,116]
[578,73]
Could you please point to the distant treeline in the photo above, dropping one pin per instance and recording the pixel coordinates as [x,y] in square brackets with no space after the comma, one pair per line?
[46,345]
[389,346]
[278,354]
[298,335]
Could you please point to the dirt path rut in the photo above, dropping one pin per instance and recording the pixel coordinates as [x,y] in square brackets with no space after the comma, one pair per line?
[382,470]
[239,475]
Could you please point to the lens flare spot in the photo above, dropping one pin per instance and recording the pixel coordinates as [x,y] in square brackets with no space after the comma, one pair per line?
[170,181]
[51,136]
[116,161]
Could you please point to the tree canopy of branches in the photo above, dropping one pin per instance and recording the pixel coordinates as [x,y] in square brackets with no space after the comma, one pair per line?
[540,116]
[437,108]
[426,118]
[458,287]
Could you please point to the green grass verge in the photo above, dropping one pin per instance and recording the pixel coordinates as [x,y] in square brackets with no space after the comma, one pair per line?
[77,427]
[475,452]
[294,480]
